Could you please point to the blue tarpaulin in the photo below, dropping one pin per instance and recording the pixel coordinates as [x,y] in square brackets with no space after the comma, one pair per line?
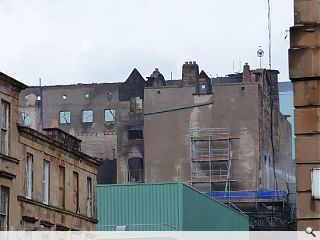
[248,195]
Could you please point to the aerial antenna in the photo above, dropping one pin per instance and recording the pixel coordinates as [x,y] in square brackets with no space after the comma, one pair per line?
[239,67]
[269,29]
[260,54]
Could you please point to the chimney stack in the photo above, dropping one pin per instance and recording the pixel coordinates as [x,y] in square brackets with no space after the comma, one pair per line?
[246,75]
[190,73]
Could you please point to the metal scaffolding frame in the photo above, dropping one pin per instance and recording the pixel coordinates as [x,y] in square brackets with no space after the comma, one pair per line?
[211,157]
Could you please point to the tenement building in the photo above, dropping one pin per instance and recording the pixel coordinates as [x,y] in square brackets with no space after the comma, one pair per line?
[46,182]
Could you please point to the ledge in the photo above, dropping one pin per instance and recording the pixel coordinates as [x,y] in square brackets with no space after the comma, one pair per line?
[4,174]
[30,219]
[60,227]
[56,209]
[46,223]
[9,159]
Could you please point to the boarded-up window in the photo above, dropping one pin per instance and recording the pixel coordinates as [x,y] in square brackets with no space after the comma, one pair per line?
[4,208]
[28,181]
[61,187]
[45,182]
[75,198]
[89,197]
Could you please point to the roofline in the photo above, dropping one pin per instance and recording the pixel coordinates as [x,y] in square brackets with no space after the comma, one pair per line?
[56,143]
[60,130]
[76,85]
[12,81]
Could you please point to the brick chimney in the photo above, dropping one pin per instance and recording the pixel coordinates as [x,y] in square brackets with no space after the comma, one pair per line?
[190,73]
[246,75]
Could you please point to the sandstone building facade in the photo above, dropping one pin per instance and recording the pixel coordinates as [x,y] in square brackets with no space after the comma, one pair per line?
[46,182]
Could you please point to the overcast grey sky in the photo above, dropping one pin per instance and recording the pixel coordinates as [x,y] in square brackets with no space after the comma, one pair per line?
[74,41]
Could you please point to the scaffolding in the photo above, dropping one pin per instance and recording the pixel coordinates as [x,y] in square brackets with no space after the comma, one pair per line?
[211,158]
[211,173]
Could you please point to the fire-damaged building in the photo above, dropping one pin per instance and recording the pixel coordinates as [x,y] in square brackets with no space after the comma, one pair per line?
[224,136]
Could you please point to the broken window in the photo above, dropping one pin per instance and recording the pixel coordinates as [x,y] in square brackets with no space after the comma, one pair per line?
[28,182]
[87,116]
[45,182]
[26,120]
[4,208]
[136,172]
[109,115]
[135,134]
[4,127]
[136,104]
[65,117]
[89,197]
[62,187]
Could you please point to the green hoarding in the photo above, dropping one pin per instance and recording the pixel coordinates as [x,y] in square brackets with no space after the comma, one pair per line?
[163,207]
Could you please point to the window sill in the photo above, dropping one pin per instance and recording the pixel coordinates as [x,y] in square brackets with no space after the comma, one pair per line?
[109,123]
[9,159]
[87,123]
[7,175]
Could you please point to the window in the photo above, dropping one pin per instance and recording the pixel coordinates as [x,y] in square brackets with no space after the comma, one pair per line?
[4,208]
[65,117]
[26,120]
[45,182]
[315,183]
[136,172]
[62,187]
[89,197]
[28,182]
[87,116]
[136,104]
[76,192]
[4,127]
[135,134]
[109,115]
